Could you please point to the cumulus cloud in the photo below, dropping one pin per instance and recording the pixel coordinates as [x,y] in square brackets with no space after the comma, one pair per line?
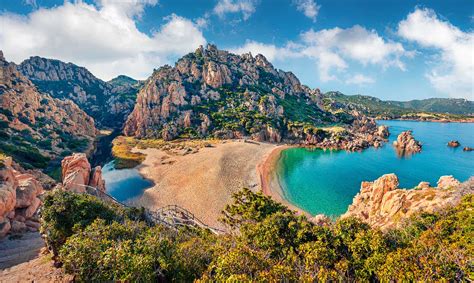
[333,50]
[308,7]
[270,51]
[360,79]
[453,68]
[102,37]
[246,7]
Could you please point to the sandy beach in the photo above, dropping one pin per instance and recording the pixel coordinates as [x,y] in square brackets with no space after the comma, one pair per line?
[203,182]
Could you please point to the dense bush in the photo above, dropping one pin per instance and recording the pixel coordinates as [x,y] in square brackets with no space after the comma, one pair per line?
[268,242]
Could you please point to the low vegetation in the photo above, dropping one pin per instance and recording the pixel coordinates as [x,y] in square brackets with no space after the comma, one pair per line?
[99,242]
[126,157]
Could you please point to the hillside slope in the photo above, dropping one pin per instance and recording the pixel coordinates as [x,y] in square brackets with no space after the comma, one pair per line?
[374,107]
[36,128]
[108,103]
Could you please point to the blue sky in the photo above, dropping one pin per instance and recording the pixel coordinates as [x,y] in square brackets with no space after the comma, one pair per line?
[390,49]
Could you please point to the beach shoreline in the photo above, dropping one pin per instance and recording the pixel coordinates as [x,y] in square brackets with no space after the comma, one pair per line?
[269,183]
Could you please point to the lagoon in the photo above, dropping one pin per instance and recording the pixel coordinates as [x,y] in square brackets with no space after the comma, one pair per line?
[124,184]
[325,181]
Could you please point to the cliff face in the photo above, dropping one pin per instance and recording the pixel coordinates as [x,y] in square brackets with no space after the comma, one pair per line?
[109,104]
[18,200]
[213,93]
[76,174]
[382,204]
[35,127]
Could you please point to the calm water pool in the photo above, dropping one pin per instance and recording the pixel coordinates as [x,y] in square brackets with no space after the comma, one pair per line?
[124,184]
[321,181]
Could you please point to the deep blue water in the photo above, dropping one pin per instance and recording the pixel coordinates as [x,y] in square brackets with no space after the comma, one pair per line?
[321,181]
[124,184]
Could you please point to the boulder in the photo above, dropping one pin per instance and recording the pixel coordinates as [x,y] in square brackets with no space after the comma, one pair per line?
[5,227]
[27,190]
[423,185]
[77,174]
[75,171]
[18,227]
[382,131]
[466,148]
[446,182]
[96,180]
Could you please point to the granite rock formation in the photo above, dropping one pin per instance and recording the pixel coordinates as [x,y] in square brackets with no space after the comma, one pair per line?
[77,174]
[19,200]
[406,143]
[382,204]
[214,93]
[108,103]
[34,127]
[453,144]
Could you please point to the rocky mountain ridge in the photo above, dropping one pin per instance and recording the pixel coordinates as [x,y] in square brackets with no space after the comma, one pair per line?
[214,93]
[108,103]
[36,128]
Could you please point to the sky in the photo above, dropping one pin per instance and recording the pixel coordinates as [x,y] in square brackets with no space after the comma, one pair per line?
[391,49]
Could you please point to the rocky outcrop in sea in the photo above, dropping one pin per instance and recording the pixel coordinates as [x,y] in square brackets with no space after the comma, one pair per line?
[406,143]
[382,204]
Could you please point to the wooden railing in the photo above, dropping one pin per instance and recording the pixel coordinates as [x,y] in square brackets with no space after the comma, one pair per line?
[172,216]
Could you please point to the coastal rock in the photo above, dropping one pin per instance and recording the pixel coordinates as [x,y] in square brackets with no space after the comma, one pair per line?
[466,148]
[77,174]
[453,144]
[18,198]
[96,180]
[75,171]
[383,131]
[406,143]
[423,185]
[447,182]
[382,204]
[320,220]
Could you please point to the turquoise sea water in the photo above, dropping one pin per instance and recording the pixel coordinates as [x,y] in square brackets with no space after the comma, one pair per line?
[124,184]
[321,181]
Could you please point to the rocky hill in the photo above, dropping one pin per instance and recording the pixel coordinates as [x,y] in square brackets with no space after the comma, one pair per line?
[214,93]
[36,128]
[439,108]
[108,103]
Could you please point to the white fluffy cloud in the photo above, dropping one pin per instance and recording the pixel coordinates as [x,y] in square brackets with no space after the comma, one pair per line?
[453,70]
[103,37]
[333,50]
[360,79]
[246,7]
[308,7]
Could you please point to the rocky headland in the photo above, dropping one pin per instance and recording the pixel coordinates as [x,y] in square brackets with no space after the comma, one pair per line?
[384,205]
[214,93]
